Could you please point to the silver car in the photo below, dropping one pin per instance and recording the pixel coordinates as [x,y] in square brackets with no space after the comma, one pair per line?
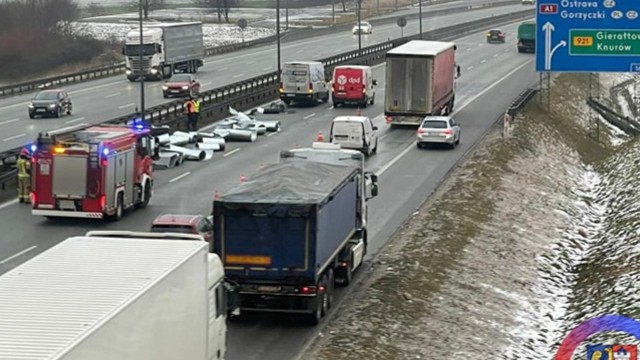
[438,130]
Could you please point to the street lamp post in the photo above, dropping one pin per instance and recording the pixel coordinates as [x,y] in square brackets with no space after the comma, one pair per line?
[359,28]
[278,37]
[420,15]
[333,13]
[286,12]
[142,117]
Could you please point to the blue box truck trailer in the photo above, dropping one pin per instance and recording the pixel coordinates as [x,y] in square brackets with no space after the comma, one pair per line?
[286,233]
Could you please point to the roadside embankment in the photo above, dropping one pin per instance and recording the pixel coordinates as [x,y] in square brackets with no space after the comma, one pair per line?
[527,237]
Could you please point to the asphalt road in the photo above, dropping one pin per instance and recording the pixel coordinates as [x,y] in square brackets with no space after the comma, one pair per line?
[107,98]
[491,76]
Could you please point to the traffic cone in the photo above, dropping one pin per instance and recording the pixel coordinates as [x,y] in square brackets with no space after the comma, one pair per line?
[242,178]
[216,195]
[320,137]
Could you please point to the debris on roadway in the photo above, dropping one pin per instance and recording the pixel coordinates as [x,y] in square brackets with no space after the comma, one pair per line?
[536,234]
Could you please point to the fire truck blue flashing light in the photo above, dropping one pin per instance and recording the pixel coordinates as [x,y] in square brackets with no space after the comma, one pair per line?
[105,151]
[33,148]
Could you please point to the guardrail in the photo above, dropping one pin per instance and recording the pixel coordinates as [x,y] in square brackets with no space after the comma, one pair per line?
[521,101]
[118,68]
[628,125]
[248,93]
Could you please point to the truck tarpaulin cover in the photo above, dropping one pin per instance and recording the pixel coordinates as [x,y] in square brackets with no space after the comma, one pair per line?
[295,182]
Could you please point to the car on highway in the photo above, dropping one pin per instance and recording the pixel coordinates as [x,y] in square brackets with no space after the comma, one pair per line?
[184,224]
[52,102]
[496,35]
[438,130]
[364,28]
[181,85]
[528,2]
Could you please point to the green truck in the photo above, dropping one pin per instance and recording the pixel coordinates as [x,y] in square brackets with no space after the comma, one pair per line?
[527,37]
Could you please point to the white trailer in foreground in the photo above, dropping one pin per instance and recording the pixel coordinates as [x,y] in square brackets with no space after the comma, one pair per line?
[113,295]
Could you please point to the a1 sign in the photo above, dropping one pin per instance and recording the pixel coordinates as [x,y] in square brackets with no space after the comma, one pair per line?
[548,8]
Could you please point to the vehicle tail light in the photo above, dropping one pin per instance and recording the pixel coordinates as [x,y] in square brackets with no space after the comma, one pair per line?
[364,89]
[448,132]
[389,118]
[343,264]
[421,131]
[33,197]
[310,89]
[103,201]
[280,87]
[308,290]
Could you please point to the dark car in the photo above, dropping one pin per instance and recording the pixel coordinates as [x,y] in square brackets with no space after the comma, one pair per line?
[181,85]
[50,103]
[185,224]
[496,35]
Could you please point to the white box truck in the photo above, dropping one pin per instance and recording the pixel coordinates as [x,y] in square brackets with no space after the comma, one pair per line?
[112,295]
[166,48]
[420,81]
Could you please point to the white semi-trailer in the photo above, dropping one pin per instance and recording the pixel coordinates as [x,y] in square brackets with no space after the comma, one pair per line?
[116,295]
[166,48]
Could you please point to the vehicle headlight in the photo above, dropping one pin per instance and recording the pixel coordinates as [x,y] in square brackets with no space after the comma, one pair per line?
[185,87]
[165,87]
[128,72]
[153,71]
[30,106]
[52,106]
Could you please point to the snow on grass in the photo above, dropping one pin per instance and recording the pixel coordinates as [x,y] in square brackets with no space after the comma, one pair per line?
[608,80]
[214,34]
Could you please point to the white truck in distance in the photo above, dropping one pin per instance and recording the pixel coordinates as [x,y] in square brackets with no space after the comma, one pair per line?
[166,47]
[116,295]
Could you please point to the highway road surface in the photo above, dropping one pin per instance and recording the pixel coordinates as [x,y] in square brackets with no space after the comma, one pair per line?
[492,75]
[108,98]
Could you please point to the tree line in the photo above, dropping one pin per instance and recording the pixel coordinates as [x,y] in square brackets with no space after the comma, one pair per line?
[37,36]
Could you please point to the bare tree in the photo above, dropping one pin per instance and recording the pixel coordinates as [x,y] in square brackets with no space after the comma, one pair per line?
[147,6]
[222,7]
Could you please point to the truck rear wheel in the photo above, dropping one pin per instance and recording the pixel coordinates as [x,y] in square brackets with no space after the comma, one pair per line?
[320,304]
[146,196]
[119,209]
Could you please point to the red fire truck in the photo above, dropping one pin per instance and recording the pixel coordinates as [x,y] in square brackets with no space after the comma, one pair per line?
[95,172]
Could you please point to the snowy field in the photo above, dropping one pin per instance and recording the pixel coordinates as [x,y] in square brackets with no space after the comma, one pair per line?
[214,34]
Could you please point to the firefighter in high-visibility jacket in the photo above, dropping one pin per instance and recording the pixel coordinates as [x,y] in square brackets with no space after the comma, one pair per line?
[24,176]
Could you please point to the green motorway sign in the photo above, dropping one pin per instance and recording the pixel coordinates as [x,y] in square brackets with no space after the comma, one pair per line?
[604,42]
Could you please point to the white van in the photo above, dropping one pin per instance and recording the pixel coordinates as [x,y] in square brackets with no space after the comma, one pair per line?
[303,81]
[355,132]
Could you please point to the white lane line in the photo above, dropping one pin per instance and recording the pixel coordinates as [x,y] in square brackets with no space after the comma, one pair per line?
[483,61]
[74,120]
[309,116]
[272,133]
[8,121]
[14,105]
[267,68]
[231,152]
[95,87]
[466,103]
[496,55]
[238,75]
[206,83]
[112,95]
[14,137]
[126,106]
[468,49]
[18,254]
[469,68]
[180,177]
[9,203]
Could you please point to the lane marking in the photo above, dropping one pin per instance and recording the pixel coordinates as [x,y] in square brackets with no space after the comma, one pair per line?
[15,105]
[483,61]
[496,55]
[112,95]
[18,254]
[272,133]
[466,103]
[231,152]
[206,83]
[238,75]
[14,137]
[180,176]
[126,106]
[74,120]
[250,62]
[309,116]
[8,121]
[267,68]
[9,203]
[469,68]
[94,87]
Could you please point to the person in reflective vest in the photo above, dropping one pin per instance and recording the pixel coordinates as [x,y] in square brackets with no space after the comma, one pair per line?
[24,176]
[196,110]
[190,108]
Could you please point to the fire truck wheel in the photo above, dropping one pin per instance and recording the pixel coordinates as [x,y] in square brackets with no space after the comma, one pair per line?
[118,214]
[146,196]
